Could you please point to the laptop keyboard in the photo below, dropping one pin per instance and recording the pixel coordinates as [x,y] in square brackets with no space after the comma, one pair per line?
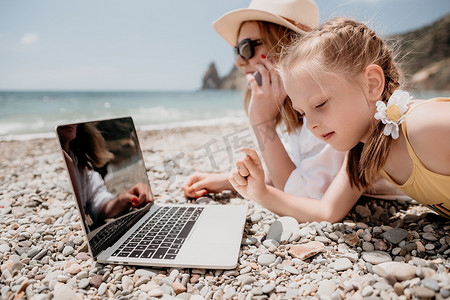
[101,237]
[162,235]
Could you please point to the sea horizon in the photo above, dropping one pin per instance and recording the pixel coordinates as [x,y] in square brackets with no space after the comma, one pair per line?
[36,113]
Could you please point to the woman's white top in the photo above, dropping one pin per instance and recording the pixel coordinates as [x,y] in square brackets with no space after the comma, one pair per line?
[316,162]
[93,192]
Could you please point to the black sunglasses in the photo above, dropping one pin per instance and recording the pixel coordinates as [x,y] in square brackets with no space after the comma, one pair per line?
[246,48]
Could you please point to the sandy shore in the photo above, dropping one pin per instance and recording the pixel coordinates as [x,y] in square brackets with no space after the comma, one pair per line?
[383,249]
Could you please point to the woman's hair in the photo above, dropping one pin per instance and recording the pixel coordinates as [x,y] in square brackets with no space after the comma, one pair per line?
[90,147]
[276,37]
[345,48]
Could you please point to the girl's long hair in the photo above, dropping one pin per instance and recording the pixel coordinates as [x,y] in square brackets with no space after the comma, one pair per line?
[345,48]
[276,37]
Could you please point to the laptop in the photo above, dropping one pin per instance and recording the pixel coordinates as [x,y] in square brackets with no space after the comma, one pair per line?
[112,192]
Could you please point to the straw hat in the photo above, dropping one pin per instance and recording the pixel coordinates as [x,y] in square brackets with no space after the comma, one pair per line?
[288,13]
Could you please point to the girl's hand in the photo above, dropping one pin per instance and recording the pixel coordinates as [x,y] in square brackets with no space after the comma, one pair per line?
[199,184]
[267,100]
[248,178]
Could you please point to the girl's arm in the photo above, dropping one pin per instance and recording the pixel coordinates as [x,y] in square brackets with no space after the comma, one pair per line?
[265,104]
[336,203]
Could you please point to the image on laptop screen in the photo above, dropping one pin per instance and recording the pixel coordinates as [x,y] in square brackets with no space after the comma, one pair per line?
[105,163]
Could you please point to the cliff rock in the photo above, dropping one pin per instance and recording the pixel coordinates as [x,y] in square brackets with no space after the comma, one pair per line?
[211,78]
[424,55]
[235,80]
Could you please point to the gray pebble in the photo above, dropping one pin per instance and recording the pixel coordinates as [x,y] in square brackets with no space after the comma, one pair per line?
[271,243]
[229,293]
[430,246]
[445,292]
[83,283]
[291,293]
[275,231]
[367,291]
[266,259]
[423,292]
[395,235]
[376,257]
[326,288]
[368,247]
[32,252]
[41,254]
[102,288]
[268,288]
[400,271]
[245,270]
[255,218]
[429,236]
[68,251]
[4,248]
[146,272]
[246,280]
[249,241]
[322,239]
[342,264]
[431,283]
[333,236]
[256,291]
[291,270]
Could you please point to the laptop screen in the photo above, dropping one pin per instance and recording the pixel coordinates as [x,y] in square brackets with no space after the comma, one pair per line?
[108,176]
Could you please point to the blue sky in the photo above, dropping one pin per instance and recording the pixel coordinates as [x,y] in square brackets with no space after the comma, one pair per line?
[148,44]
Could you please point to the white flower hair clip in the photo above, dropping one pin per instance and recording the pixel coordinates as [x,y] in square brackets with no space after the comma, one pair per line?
[393,114]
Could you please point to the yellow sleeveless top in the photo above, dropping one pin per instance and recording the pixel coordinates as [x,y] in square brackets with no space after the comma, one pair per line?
[429,188]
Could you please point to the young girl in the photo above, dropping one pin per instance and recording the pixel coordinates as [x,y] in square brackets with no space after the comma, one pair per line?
[258,33]
[343,79]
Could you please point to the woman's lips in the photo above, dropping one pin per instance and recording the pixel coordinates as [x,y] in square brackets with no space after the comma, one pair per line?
[328,135]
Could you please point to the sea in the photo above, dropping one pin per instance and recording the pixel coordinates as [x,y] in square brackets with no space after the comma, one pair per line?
[35,114]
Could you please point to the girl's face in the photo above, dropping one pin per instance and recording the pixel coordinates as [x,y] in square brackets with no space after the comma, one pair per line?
[250,30]
[335,111]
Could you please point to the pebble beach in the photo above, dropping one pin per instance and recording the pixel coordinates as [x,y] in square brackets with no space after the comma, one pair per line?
[381,250]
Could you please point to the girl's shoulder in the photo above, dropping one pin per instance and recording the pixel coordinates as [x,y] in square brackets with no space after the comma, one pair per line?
[428,116]
[428,127]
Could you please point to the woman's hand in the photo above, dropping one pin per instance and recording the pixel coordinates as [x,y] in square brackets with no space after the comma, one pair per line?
[267,100]
[140,194]
[265,105]
[135,196]
[248,178]
[199,184]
